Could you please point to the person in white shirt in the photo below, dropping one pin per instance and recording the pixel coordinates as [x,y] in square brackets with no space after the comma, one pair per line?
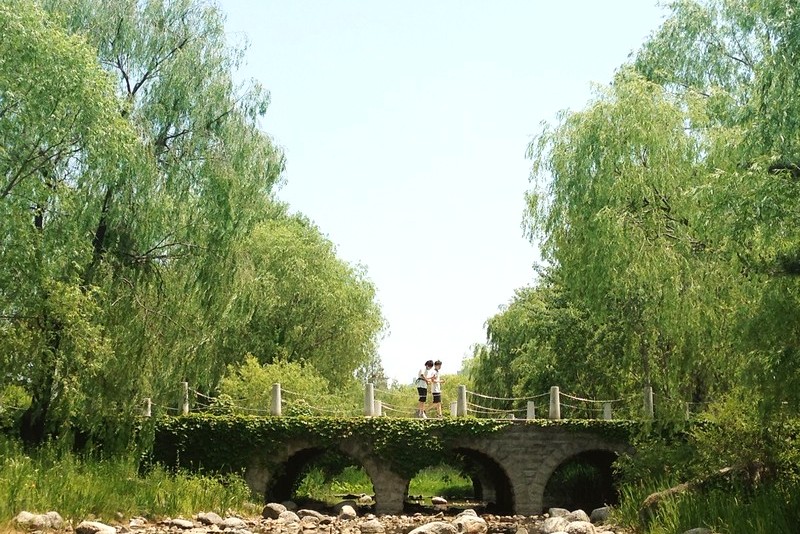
[422,384]
[436,387]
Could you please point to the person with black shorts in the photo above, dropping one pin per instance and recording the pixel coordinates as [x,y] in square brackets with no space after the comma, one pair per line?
[422,383]
[436,387]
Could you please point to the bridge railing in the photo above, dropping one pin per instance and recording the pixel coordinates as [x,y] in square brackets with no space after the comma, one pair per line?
[553,404]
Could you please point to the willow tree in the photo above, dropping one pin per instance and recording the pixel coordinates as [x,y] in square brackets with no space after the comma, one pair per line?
[667,204]
[738,58]
[620,205]
[132,201]
[298,302]
[134,218]
[543,339]
[63,140]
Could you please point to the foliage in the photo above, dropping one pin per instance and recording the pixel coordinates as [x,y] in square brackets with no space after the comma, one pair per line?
[529,338]
[442,480]
[14,400]
[226,443]
[82,486]
[249,389]
[773,509]
[141,245]
[300,303]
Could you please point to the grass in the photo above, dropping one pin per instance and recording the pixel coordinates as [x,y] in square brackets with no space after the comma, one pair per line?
[83,487]
[440,480]
[774,508]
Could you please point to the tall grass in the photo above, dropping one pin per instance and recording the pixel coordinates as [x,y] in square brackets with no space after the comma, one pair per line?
[442,480]
[774,508]
[79,487]
[439,480]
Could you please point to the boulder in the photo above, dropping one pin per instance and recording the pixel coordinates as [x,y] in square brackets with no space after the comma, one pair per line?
[233,522]
[554,524]
[580,527]
[577,515]
[337,508]
[209,518]
[347,512]
[469,524]
[306,512]
[288,516]
[50,520]
[180,523]
[600,515]
[435,527]
[372,526]
[272,510]
[94,527]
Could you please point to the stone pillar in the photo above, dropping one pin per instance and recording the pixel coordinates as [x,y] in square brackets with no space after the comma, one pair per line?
[531,414]
[607,411]
[648,402]
[555,403]
[369,400]
[378,408]
[390,492]
[276,407]
[185,407]
[453,408]
[461,406]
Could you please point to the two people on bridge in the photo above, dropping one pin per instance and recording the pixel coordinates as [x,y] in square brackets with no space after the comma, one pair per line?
[429,380]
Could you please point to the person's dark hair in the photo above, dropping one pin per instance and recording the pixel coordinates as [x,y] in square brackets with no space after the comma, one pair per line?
[429,363]
[437,362]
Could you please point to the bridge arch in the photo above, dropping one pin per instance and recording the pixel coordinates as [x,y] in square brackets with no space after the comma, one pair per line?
[274,477]
[598,455]
[490,481]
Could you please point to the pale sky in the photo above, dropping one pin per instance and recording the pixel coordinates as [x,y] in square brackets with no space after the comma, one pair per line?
[405,126]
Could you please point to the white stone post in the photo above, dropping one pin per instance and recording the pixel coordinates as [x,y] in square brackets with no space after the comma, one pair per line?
[648,402]
[453,408]
[378,409]
[276,408]
[555,403]
[148,407]
[185,407]
[369,400]
[607,411]
[531,414]
[461,406]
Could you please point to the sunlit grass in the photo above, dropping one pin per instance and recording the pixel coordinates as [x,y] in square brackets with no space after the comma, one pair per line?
[441,480]
[768,509]
[81,487]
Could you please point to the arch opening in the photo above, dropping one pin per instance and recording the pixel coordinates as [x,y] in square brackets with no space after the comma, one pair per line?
[585,481]
[319,478]
[466,479]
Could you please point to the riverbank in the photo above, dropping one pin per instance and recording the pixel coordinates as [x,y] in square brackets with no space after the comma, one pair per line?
[311,522]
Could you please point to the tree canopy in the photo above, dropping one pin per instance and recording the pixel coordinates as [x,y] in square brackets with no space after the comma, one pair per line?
[665,212]
[142,244]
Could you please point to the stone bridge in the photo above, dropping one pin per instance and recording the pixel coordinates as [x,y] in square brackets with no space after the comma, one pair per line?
[509,467]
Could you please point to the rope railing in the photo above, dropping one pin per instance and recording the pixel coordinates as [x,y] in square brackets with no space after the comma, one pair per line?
[577,406]
[533,397]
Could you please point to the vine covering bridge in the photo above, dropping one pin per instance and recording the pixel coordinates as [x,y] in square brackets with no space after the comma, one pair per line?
[509,454]
[509,461]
